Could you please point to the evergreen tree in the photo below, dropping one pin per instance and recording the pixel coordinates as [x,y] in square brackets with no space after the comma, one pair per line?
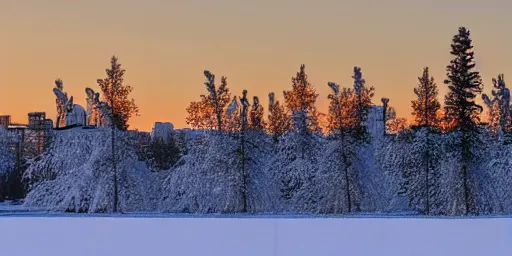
[495,118]
[246,127]
[208,113]
[364,95]
[421,171]
[300,101]
[394,124]
[397,125]
[256,121]
[116,94]
[426,106]
[464,84]
[342,116]
[279,121]
[242,149]
[233,117]
[163,153]
[446,123]
[425,111]
[499,105]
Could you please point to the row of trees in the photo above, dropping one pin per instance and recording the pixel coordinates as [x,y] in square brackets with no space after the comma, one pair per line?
[348,112]
[348,108]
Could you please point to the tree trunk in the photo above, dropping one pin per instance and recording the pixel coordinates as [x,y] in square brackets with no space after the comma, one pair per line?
[347,184]
[427,196]
[242,148]
[114,150]
[244,174]
[345,164]
[465,187]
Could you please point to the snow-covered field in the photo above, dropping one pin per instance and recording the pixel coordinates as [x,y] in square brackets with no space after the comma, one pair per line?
[125,236]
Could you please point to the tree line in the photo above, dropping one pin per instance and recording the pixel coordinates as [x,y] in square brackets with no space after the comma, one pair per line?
[294,123]
[349,106]
[348,113]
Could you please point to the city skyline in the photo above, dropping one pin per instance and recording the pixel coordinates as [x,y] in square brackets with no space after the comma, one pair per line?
[259,46]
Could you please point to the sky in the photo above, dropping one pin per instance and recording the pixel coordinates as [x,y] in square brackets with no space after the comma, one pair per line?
[165,45]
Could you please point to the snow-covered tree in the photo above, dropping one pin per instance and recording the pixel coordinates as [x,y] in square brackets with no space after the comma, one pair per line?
[495,118]
[342,116]
[464,84]
[394,124]
[74,174]
[209,112]
[256,120]
[233,117]
[294,169]
[242,148]
[397,125]
[426,106]
[6,156]
[499,105]
[210,178]
[116,95]
[420,172]
[364,95]
[163,154]
[7,163]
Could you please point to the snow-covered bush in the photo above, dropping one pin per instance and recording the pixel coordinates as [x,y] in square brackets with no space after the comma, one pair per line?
[302,173]
[206,180]
[75,174]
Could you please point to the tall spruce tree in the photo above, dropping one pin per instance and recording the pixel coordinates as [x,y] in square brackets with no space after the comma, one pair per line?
[426,106]
[464,83]
[425,112]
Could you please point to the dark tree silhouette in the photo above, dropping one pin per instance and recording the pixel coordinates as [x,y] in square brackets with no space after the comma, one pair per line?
[460,107]
[426,106]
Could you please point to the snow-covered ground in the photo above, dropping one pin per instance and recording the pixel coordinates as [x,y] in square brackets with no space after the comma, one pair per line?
[253,236]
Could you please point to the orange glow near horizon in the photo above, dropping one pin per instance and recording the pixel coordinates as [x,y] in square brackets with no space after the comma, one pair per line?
[259,45]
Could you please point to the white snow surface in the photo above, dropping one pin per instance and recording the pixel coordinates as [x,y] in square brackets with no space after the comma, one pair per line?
[254,236]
